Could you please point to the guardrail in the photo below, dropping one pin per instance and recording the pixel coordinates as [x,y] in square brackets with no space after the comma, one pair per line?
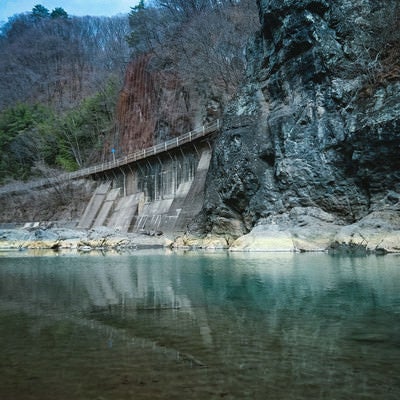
[118,162]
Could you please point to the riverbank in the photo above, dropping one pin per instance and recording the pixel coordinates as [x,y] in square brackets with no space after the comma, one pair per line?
[311,230]
[42,237]
[301,230]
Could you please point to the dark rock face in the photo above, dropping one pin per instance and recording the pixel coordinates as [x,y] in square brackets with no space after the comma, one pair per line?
[310,128]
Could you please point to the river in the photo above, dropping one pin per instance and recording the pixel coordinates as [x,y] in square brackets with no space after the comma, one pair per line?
[199,325]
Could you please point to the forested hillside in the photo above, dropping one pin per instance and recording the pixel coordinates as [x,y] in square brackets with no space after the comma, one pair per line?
[60,77]
[189,60]
[63,99]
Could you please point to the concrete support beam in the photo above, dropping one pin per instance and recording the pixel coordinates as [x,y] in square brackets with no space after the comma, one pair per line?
[94,206]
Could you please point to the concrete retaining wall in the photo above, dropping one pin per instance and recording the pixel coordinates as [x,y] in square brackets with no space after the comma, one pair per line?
[165,199]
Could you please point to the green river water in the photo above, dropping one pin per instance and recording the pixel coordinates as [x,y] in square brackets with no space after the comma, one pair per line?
[199,325]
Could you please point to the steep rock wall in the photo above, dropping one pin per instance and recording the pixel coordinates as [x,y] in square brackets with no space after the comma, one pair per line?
[316,127]
[156,105]
[136,108]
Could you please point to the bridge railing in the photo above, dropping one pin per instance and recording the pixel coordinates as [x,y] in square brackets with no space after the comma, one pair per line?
[144,153]
[118,162]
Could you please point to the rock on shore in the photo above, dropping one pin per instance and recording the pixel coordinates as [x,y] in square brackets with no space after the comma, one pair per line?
[306,229]
[303,229]
[61,238]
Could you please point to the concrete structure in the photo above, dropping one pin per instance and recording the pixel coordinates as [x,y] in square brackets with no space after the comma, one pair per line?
[160,193]
[155,189]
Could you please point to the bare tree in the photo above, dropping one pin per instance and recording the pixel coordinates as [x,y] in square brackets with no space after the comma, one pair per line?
[202,41]
[60,60]
[372,36]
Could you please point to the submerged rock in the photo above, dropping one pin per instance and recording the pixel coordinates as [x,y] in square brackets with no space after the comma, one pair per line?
[370,338]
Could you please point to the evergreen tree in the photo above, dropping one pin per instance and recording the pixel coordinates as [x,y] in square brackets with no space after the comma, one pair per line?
[39,12]
[59,12]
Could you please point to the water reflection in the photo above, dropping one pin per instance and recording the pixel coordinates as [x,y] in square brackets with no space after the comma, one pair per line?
[286,325]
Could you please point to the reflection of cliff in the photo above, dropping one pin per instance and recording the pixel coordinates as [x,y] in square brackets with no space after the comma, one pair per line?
[145,287]
[250,317]
[126,291]
[292,326]
[188,282]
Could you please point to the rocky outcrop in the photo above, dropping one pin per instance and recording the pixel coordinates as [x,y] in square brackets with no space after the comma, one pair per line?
[136,108]
[155,106]
[316,127]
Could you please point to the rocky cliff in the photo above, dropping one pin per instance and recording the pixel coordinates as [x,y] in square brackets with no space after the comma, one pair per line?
[155,106]
[152,107]
[310,146]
